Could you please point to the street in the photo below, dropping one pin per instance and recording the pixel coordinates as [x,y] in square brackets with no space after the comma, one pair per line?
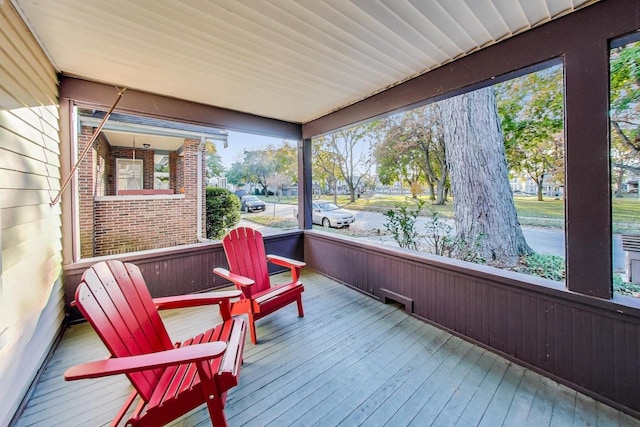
[542,240]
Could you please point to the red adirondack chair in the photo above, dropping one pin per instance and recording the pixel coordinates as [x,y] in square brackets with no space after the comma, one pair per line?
[247,260]
[168,380]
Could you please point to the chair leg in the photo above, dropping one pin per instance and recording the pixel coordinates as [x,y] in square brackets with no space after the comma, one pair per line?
[216,412]
[252,329]
[300,310]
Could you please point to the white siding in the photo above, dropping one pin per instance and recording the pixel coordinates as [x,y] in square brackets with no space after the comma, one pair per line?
[31,305]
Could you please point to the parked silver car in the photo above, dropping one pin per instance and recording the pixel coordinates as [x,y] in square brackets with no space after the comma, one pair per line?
[329,214]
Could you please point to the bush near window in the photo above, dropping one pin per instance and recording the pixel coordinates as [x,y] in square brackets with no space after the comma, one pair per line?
[223,211]
[401,224]
[439,238]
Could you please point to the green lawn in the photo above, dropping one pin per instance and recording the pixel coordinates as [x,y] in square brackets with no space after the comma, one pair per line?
[549,212]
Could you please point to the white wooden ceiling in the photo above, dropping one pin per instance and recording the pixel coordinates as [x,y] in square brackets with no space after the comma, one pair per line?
[294,60]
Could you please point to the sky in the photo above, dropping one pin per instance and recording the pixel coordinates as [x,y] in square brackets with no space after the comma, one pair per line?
[239,142]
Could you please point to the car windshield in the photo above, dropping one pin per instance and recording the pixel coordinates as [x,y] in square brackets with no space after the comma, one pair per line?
[327,206]
[251,199]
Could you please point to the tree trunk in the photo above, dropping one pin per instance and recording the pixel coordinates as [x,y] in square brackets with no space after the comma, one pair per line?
[440,195]
[483,206]
[539,183]
[619,179]
[432,191]
[335,191]
[352,194]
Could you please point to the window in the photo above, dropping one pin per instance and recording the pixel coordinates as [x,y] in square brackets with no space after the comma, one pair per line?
[625,163]
[161,172]
[259,166]
[477,177]
[140,187]
[130,174]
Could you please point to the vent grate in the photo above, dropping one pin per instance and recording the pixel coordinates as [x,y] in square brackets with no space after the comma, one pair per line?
[631,242]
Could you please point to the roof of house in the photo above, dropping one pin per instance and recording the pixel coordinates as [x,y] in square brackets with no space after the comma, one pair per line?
[160,134]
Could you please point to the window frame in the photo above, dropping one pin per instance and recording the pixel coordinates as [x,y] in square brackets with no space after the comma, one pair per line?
[120,161]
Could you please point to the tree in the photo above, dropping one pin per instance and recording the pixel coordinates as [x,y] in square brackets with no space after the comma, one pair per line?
[625,110]
[398,159]
[531,109]
[237,174]
[413,151]
[213,161]
[483,202]
[286,161]
[260,165]
[325,166]
[428,133]
[286,167]
[280,181]
[348,155]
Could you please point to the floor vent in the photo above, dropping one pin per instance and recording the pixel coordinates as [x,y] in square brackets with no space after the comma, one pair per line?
[389,297]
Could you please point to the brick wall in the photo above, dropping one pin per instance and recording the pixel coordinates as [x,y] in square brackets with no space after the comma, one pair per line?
[94,179]
[130,224]
[127,153]
[133,225]
[176,176]
[86,185]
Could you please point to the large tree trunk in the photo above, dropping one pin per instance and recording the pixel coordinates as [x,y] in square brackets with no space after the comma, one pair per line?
[483,203]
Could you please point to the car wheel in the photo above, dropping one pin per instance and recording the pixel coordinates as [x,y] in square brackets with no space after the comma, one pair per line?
[246,209]
[326,223]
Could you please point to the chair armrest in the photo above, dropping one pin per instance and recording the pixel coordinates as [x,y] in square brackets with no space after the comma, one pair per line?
[123,365]
[195,300]
[293,264]
[285,262]
[232,277]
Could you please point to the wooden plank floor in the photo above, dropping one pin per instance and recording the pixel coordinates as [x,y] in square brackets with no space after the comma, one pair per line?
[350,361]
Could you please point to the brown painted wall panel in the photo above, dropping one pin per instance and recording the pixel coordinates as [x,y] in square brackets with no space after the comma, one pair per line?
[585,342]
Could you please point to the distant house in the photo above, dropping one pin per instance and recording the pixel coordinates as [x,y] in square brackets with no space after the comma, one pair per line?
[142,185]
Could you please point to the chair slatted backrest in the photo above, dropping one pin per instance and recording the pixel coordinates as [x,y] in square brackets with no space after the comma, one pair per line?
[115,300]
[246,256]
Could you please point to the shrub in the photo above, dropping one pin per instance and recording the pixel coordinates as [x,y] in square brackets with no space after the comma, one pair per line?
[439,238]
[223,211]
[625,288]
[546,266]
[401,224]
[441,241]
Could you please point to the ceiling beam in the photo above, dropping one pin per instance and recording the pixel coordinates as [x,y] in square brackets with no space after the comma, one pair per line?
[100,96]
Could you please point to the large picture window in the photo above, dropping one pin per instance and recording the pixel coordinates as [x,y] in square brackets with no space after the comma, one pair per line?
[625,163]
[477,177]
